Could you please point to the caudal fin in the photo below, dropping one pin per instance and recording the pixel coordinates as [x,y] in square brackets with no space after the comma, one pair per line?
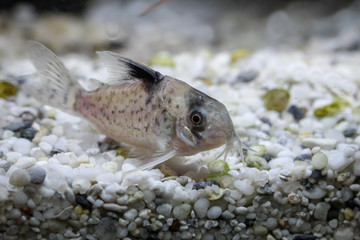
[56,86]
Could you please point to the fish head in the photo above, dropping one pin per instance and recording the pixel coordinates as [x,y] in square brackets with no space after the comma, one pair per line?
[204,124]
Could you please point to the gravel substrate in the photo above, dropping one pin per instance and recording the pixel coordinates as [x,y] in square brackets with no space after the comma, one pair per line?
[59,179]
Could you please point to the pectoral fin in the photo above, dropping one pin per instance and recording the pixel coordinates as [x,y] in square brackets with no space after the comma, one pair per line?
[155,160]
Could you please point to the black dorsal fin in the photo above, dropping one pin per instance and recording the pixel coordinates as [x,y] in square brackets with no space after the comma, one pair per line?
[122,70]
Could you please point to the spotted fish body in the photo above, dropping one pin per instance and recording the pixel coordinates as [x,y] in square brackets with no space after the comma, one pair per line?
[159,116]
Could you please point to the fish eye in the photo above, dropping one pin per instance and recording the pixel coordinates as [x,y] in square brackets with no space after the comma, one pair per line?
[198,118]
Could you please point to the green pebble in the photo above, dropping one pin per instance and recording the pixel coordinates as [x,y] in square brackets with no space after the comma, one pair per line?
[276,99]
[7,90]
[256,162]
[349,214]
[338,105]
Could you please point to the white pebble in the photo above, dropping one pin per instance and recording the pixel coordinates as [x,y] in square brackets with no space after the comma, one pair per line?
[22,145]
[8,134]
[58,130]
[25,162]
[19,178]
[81,185]
[201,207]
[214,212]
[324,143]
[98,203]
[37,153]
[283,162]
[131,214]
[244,186]
[337,160]
[50,139]
[45,147]
[149,196]
[12,157]
[106,178]
[164,209]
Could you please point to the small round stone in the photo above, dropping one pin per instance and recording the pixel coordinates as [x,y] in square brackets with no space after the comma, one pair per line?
[37,175]
[164,209]
[214,212]
[19,178]
[201,207]
[333,223]
[182,211]
[271,223]
[344,234]
[350,132]
[13,214]
[244,186]
[321,210]
[131,214]
[319,160]
[349,214]
[22,145]
[81,199]
[28,133]
[259,230]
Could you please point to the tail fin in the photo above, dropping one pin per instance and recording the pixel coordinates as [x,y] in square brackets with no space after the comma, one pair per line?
[56,86]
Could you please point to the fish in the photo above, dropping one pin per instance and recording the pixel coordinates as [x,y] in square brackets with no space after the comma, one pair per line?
[158,116]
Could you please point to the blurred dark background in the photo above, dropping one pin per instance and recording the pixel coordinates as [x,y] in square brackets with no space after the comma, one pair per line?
[261,6]
[177,26]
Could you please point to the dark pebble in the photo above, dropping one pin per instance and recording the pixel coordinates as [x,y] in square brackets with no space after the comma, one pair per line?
[28,133]
[1,154]
[27,116]
[303,237]
[350,132]
[265,190]
[316,174]
[37,175]
[245,151]
[202,185]
[337,203]
[249,222]
[82,200]
[55,151]
[175,226]
[297,112]
[267,157]
[303,157]
[351,204]
[192,222]
[153,236]
[309,186]
[17,126]
[266,120]
[332,214]
[246,76]
[30,190]
[158,201]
